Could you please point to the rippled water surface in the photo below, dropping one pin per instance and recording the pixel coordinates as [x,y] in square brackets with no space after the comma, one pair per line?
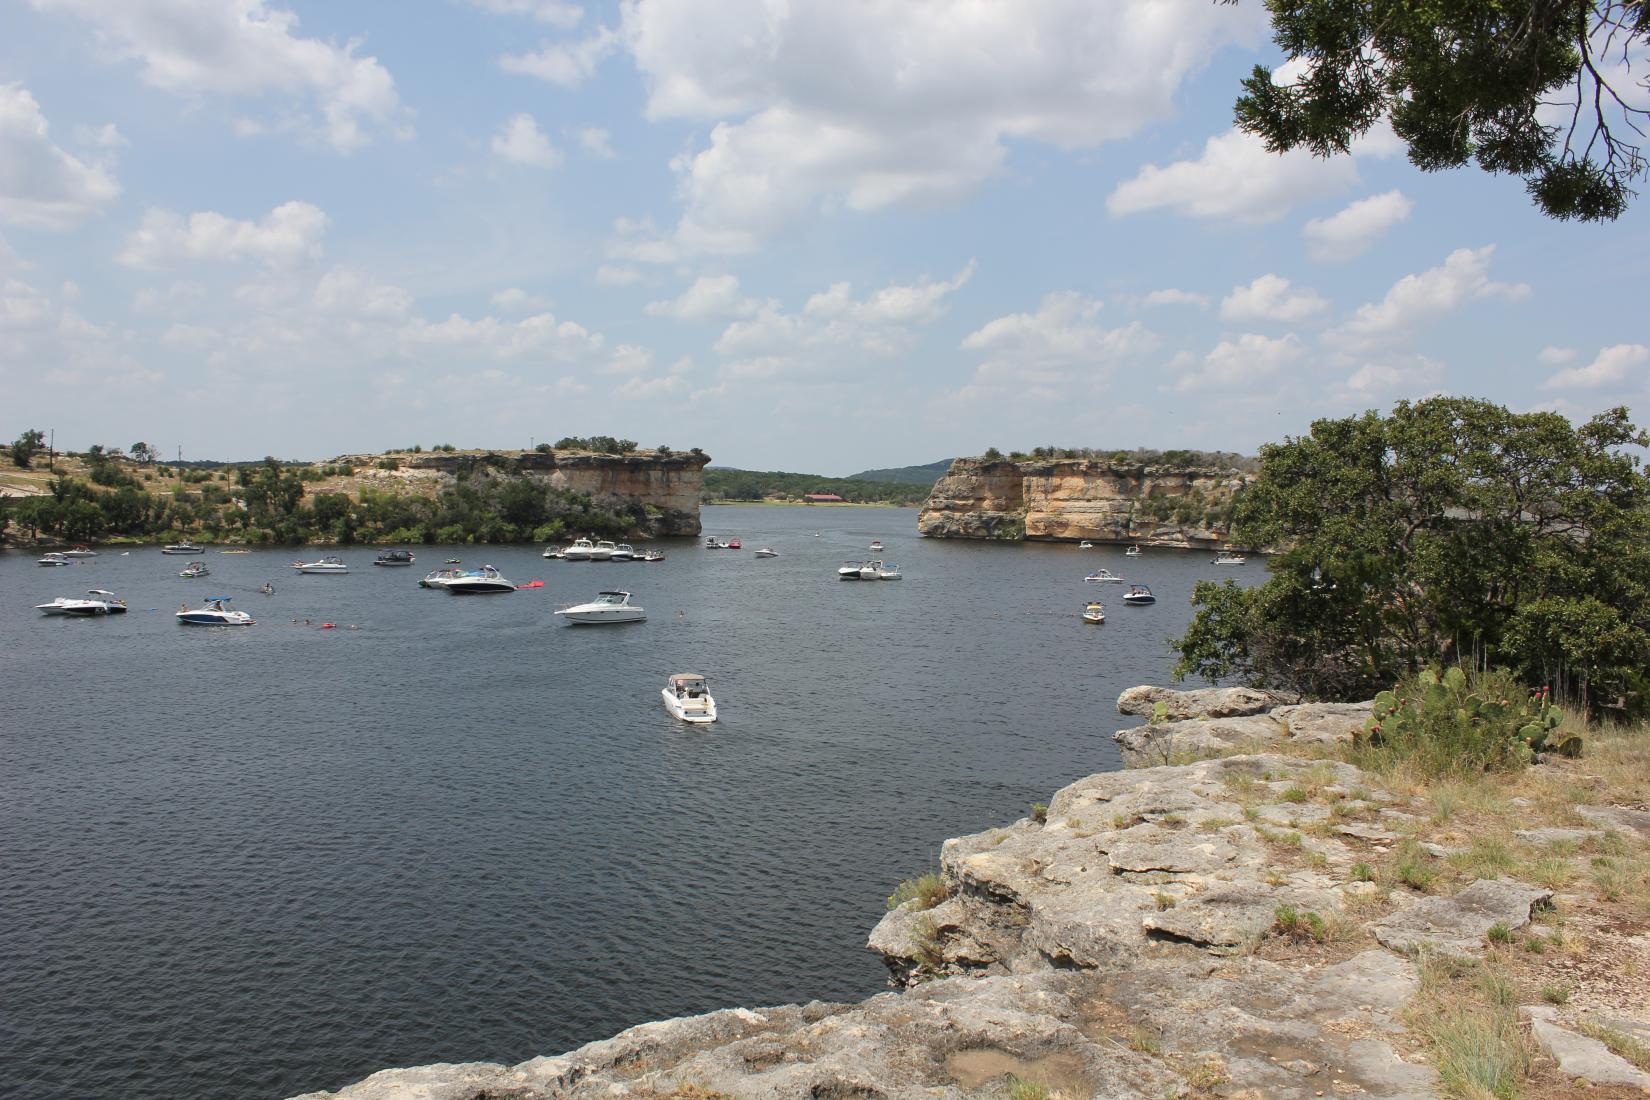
[256,862]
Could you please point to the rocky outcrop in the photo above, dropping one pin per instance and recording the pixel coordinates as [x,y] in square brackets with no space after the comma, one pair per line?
[665,487]
[1214,721]
[1071,499]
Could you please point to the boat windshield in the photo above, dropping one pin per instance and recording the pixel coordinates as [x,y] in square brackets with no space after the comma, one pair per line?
[613,597]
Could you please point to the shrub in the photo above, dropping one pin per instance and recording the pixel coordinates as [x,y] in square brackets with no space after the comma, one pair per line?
[1460,724]
[1039,812]
[926,890]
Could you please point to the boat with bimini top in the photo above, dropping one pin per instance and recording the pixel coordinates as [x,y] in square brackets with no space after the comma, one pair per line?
[687,697]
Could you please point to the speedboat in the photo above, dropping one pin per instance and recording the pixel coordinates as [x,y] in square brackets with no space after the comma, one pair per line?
[1133,551]
[870,571]
[1103,576]
[710,542]
[99,601]
[1094,612]
[766,553]
[438,578]
[553,552]
[851,571]
[215,614]
[887,572]
[876,545]
[687,696]
[1226,557]
[602,551]
[322,566]
[394,557]
[608,607]
[1085,545]
[731,544]
[479,582]
[80,552]
[181,548]
[55,558]
[623,552]
[651,555]
[195,569]
[235,550]
[53,608]
[579,551]
[1139,594]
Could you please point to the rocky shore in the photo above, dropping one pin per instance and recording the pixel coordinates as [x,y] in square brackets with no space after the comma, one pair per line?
[1248,924]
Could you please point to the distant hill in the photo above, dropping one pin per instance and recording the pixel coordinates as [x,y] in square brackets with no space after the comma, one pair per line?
[725,483]
[907,475]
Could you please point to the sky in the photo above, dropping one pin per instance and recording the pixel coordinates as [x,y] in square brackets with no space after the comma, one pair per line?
[812,236]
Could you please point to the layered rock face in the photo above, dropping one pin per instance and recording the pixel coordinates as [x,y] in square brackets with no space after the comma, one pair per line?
[670,485]
[1071,499]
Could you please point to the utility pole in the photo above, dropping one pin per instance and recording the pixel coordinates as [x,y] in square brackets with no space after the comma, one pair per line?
[51,451]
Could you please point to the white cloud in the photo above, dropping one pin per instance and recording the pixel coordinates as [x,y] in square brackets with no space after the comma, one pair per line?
[1613,366]
[1172,297]
[1234,364]
[290,234]
[520,141]
[1061,342]
[710,298]
[1553,356]
[515,300]
[107,136]
[1273,298]
[209,48]
[567,64]
[41,185]
[1235,178]
[1351,232]
[557,13]
[595,141]
[351,292]
[617,275]
[638,241]
[1414,375]
[820,107]
[1463,277]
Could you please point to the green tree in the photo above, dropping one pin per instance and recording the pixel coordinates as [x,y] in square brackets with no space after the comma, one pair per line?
[1452,530]
[1464,81]
[26,447]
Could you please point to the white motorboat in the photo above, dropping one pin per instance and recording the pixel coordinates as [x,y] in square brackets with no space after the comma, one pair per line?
[235,550]
[870,571]
[181,548]
[55,558]
[1085,545]
[80,552]
[322,567]
[394,557]
[851,571]
[623,552]
[553,552]
[1139,594]
[438,578]
[607,607]
[687,696]
[214,613]
[1226,557]
[602,551]
[1094,612]
[53,608]
[485,581]
[887,572]
[579,551]
[1133,551]
[714,543]
[195,569]
[1103,576]
[876,545]
[651,555]
[98,601]
[765,552]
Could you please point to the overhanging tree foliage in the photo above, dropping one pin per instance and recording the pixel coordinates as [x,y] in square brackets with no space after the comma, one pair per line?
[1451,530]
[1542,89]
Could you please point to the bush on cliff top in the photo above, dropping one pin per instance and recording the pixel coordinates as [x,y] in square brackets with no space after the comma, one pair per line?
[1453,531]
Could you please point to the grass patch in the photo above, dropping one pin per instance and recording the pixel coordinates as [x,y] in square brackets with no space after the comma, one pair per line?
[1619,1042]
[1468,1016]
[926,890]
[1499,933]
[1555,994]
[1164,901]
[1039,812]
[1485,857]
[1021,1089]
[1142,1041]
[1291,924]
[1361,872]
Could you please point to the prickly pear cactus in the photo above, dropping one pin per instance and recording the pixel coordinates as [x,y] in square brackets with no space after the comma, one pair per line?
[1433,707]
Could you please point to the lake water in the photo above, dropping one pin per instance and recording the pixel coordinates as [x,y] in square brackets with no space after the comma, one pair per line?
[259,861]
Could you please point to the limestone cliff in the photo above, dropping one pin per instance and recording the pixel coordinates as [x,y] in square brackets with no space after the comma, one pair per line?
[669,486]
[1083,498]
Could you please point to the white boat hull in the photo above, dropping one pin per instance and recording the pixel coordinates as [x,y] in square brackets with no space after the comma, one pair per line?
[216,618]
[700,711]
[186,551]
[323,570]
[596,615]
[476,586]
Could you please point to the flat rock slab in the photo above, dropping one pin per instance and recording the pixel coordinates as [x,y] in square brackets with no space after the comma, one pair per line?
[1554,835]
[1459,924]
[1172,742]
[1199,703]
[1580,1056]
[1620,818]
[1323,723]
